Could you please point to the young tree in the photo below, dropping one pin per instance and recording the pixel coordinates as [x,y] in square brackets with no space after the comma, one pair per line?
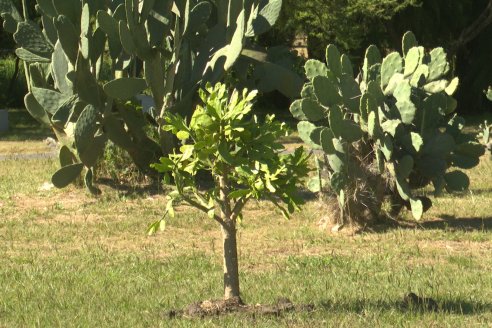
[244,158]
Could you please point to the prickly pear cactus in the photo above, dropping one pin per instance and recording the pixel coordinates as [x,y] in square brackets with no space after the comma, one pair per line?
[392,130]
[164,48]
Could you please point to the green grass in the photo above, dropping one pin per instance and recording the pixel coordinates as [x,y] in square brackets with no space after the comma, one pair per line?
[22,127]
[11,95]
[67,259]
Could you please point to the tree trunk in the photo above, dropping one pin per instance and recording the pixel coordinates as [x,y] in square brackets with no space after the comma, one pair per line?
[231,269]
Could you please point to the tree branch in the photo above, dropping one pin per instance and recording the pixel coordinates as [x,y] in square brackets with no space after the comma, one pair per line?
[202,208]
[472,31]
[239,207]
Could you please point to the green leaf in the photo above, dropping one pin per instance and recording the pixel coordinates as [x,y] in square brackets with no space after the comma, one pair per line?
[305,130]
[88,179]
[170,208]
[471,149]
[391,126]
[165,165]
[152,229]
[347,68]
[29,37]
[267,17]
[387,147]
[456,181]
[68,37]
[66,175]
[326,91]
[315,68]
[225,155]
[452,86]
[338,182]
[407,111]
[392,64]
[335,118]
[408,42]
[231,51]
[239,193]
[65,156]
[35,109]
[417,208]
[404,167]
[417,141]
[351,132]
[326,141]
[413,57]
[124,88]
[438,65]
[157,225]
[315,184]
[312,110]
[162,224]
[403,188]
[333,60]
[48,99]
[9,23]
[182,135]
[350,93]
[336,162]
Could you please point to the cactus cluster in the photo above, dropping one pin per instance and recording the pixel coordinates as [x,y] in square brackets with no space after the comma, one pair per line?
[392,129]
[181,44]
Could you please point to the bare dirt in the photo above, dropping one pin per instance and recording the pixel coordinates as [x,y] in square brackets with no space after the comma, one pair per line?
[235,305]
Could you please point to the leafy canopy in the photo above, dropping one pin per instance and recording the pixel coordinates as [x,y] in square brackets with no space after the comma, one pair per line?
[225,140]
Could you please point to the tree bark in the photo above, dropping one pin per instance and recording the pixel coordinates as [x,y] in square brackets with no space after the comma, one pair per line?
[472,31]
[231,267]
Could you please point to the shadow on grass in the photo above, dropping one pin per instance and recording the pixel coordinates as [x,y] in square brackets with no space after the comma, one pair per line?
[445,222]
[133,190]
[461,307]
[467,224]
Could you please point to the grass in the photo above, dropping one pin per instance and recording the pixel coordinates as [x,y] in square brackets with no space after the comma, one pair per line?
[67,259]
[25,135]
[11,95]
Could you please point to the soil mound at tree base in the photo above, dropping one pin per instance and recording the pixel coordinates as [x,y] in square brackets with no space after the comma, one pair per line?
[235,305]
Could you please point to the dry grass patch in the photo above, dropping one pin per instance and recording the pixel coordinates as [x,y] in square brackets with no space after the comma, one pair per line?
[24,147]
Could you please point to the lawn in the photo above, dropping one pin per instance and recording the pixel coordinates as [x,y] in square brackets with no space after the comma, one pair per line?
[68,259]
[24,135]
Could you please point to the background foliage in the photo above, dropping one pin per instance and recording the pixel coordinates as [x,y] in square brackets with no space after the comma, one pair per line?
[353,25]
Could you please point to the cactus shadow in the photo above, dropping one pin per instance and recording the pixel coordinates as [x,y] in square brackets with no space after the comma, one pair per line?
[129,189]
[444,222]
[450,222]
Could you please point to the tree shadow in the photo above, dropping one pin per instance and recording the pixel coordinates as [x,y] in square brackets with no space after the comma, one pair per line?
[461,307]
[131,189]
